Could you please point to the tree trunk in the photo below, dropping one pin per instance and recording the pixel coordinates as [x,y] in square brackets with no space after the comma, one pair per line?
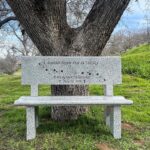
[64,112]
[45,22]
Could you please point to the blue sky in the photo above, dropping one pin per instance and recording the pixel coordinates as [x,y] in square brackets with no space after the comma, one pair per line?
[135,18]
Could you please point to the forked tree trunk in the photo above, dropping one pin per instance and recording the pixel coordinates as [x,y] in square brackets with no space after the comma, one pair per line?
[45,22]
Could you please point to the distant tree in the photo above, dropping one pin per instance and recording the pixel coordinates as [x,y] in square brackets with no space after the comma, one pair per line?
[123,40]
[8,64]
[23,44]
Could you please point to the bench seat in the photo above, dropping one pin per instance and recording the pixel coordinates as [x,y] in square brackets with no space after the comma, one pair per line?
[71,100]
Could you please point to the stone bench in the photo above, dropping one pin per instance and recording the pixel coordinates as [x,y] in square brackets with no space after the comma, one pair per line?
[72,71]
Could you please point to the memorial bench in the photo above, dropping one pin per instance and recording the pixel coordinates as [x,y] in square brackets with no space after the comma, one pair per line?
[72,71]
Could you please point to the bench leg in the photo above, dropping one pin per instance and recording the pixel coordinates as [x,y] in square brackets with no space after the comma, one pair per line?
[37,116]
[31,123]
[115,122]
[107,114]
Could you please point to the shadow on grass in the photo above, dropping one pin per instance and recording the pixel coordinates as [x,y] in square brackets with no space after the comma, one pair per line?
[14,125]
[83,125]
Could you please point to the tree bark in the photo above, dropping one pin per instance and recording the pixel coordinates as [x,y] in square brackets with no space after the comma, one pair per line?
[68,113]
[45,22]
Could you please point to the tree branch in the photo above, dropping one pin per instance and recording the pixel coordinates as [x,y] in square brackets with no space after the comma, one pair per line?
[6,20]
[100,23]
[44,21]
[5,9]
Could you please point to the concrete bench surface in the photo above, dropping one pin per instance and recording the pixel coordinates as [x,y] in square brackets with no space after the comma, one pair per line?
[71,70]
[53,70]
[72,100]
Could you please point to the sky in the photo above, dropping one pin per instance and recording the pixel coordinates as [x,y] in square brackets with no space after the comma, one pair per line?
[132,20]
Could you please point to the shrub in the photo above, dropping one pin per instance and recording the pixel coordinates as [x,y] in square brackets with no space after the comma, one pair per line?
[8,65]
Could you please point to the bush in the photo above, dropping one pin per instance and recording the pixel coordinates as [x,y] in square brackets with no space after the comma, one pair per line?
[8,65]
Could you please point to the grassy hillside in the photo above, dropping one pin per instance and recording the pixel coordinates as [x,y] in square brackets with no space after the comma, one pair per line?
[89,131]
[136,61]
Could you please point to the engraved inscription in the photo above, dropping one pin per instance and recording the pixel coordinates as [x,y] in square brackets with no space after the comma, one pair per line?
[62,70]
[71,70]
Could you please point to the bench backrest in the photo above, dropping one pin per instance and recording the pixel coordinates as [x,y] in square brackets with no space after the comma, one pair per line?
[71,70]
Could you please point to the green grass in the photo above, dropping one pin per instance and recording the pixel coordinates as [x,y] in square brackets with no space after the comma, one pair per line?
[89,129]
[136,61]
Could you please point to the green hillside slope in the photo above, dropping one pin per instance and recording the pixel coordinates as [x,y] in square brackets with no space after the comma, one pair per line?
[136,61]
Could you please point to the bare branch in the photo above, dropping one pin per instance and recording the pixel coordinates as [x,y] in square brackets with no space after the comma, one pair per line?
[6,20]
